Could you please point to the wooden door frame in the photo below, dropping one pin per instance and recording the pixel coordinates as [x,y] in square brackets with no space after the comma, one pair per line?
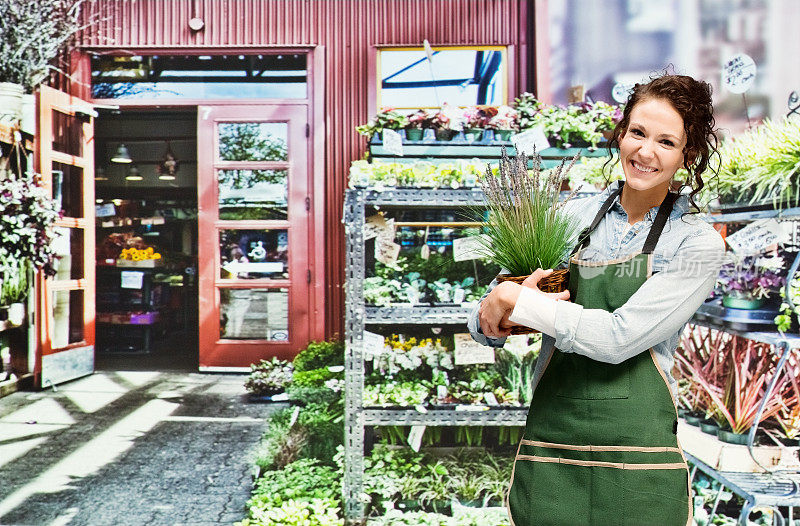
[213,353]
[47,100]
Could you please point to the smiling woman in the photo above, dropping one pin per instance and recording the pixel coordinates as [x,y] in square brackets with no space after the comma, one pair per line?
[600,433]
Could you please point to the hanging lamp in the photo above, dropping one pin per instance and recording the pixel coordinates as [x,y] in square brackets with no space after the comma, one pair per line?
[122,155]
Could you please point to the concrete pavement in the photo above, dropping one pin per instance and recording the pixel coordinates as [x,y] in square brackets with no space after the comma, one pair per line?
[127,449]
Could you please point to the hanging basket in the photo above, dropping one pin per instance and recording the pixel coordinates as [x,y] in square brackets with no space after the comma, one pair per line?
[557,281]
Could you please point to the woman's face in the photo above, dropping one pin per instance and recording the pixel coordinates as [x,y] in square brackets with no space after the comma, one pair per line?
[651,148]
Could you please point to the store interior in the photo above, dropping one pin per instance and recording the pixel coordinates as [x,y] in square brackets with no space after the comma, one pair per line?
[146,237]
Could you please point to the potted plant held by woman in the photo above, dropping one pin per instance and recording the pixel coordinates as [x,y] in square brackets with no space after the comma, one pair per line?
[527,227]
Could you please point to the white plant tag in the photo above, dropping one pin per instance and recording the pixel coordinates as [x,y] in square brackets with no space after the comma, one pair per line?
[373,344]
[757,236]
[415,437]
[458,295]
[468,351]
[466,248]
[490,398]
[530,141]
[738,73]
[393,142]
[373,226]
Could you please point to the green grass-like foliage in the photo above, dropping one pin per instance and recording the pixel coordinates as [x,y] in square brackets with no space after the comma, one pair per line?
[527,228]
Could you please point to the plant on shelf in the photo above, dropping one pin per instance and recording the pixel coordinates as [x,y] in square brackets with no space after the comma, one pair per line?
[517,372]
[783,321]
[594,173]
[762,164]
[576,125]
[416,125]
[748,281]
[320,354]
[391,393]
[386,119]
[269,377]
[446,292]
[446,122]
[503,122]
[419,174]
[527,228]
[527,107]
[475,120]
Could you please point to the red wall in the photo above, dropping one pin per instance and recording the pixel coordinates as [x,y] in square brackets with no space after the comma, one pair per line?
[349,30]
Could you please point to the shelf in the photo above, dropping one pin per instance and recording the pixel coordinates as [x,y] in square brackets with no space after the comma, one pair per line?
[510,416]
[752,215]
[416,315]
[433,198]
[461,149]
[758,489]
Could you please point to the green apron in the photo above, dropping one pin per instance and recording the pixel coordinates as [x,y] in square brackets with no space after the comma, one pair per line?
[600,446]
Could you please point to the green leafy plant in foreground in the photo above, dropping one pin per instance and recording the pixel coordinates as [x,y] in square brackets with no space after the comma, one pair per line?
[527,228]
[319,354]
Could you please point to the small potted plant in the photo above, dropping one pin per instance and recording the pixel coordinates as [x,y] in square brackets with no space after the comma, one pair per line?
[475,119]
[527,228]
[503,122]
[446,123]
[416,124]
[749,281]
[269,377]
[386,119]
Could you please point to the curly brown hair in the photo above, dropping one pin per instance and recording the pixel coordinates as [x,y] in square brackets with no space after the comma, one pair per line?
[692,100]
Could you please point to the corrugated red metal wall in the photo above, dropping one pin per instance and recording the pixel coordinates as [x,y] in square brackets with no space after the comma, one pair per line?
[349,30]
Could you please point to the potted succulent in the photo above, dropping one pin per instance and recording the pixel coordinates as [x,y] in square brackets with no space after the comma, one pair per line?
[749,281]
[416,124]
[386,119]
[446,123]
[526,228]
[503,122]
[32,34]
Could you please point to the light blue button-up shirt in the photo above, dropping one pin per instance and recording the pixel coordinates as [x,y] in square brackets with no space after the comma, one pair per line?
[686,262]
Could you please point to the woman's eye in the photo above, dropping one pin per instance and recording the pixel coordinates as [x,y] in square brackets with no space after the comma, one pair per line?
[638,133]
[667,142]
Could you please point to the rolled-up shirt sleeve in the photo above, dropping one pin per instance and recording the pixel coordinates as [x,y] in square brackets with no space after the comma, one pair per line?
[661,306]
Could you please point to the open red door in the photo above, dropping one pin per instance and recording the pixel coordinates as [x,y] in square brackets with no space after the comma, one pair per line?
[254,249]
[65,309]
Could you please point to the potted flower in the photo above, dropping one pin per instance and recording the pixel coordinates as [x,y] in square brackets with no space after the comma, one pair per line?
[386,119]
[446,123]
[749,281]
[527,107]
[416,124]
[503,122]
[27,235]
[269,377]
[527,228]
[475,119]
[32,35]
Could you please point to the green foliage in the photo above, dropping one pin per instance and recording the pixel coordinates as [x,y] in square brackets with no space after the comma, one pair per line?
[517,372]
[314,512]
[250,141]
[319,354]
[14,279]
[386,119]
[315,377]
[269,377]
[527,228]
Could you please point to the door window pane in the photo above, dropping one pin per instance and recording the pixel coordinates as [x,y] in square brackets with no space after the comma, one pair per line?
[68,247]
[254,254]
[253,141]
[253,194]
[67,134]
[66,318]
[254,314]
[68,189]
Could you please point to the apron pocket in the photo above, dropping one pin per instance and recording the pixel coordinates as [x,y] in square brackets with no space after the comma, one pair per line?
[549,494]
[588,379]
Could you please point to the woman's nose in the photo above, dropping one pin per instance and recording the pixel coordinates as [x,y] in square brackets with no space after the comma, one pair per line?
[646,149]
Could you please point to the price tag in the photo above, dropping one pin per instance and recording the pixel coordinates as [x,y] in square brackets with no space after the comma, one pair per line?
[373,226]
[576,94]
[466,248]
[621,91]
[393,142]
[757,236]
[441,392]
[131,279]
[468,351]
[387,253]
[490,398]
[415,437]
[738,73]
[373,344]
[458,295]
[530,141]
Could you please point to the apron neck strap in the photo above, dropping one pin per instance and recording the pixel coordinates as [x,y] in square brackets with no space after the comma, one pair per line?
[664,210]
[583,239]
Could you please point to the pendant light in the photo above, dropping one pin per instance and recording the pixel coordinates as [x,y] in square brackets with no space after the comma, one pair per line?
[168,166]
[133,174]
[100,174]
[122,155]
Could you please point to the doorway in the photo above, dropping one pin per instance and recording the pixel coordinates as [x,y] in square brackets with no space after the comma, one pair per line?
[146,232]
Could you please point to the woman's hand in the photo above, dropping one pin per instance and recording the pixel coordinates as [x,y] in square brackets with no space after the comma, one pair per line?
[498,305]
